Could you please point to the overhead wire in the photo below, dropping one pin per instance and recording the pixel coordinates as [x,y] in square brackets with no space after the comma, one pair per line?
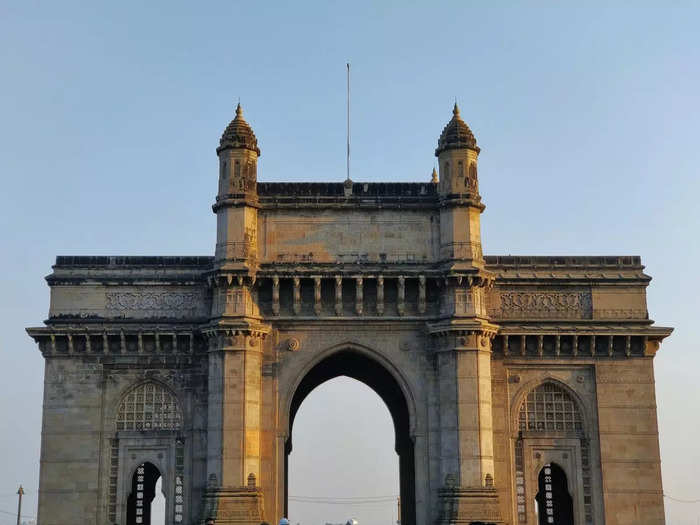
[679,500]
[334,500]
[15,514]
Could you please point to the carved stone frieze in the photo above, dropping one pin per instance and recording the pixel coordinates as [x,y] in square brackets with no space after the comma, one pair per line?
[511,304]
[142,303]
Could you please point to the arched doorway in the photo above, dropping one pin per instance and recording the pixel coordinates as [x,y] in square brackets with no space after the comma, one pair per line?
[143,491]
[358,366]
[554,502]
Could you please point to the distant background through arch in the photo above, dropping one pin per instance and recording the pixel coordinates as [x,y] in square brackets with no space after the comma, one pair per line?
[357,365]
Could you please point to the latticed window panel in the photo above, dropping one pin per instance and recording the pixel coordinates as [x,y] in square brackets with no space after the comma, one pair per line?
[149,407]
[549,408]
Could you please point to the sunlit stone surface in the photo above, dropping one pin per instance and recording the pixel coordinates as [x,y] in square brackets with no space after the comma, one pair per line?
[493,367]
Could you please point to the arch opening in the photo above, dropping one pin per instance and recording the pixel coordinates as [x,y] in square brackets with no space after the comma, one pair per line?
[144,485]
[554,503]
[355,365]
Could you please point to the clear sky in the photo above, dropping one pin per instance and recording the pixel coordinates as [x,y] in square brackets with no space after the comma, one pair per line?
[588,121]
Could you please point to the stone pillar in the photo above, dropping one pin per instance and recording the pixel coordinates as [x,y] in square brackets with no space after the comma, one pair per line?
[233,431]
[358,295]
[275,295]
[296,307]
[401,295]
[380,295]
[462,340]
[236,336]
[338,295]
[317,295]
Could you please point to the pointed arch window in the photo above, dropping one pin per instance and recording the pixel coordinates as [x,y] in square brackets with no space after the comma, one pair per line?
[149,406]
[549,408]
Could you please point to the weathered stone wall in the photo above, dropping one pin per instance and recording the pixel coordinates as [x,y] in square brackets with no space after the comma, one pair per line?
[70,476]
[629,444]
[348,236]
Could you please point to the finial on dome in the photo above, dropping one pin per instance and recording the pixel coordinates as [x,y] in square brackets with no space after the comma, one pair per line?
[434,177]
[456,134]
[238,134]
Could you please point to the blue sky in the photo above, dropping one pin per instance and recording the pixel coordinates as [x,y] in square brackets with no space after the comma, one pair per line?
[588,119]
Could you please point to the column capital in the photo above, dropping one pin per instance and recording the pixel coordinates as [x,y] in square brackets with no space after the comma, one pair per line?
[236,338]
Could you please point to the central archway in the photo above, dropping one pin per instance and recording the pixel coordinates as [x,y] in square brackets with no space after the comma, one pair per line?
[358,366]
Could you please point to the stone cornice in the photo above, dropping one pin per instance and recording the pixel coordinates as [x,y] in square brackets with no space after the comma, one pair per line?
[85,340]
[462,326]
[191,270]
[590,345]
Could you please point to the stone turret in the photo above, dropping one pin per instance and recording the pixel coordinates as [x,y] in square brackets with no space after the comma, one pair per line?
[238,157]
[236,200]
[460,227]
[457,155]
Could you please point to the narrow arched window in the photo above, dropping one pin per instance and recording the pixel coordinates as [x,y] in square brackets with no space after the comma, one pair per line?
[554,503]
[550,411]
[143,492]
[549,408]
[149,406]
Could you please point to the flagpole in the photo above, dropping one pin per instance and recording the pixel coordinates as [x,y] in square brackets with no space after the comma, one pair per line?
[348,121]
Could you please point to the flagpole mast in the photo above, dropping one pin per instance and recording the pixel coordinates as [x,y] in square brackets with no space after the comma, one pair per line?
[348,130]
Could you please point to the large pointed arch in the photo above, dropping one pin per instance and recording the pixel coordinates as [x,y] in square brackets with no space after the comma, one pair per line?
[350,347]
[368,367]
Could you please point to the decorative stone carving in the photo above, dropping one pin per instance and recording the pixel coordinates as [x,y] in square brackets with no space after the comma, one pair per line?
[543,305]
[154,303]
[293,344]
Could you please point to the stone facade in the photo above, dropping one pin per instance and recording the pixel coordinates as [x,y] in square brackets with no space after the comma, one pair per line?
[493,367]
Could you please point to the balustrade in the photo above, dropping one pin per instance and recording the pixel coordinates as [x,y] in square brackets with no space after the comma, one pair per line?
[348,296]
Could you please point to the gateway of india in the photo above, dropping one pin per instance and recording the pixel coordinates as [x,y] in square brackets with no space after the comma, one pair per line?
[521,388]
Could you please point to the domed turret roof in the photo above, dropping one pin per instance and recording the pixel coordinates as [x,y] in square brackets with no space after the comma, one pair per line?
[238,134]
[456,135]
